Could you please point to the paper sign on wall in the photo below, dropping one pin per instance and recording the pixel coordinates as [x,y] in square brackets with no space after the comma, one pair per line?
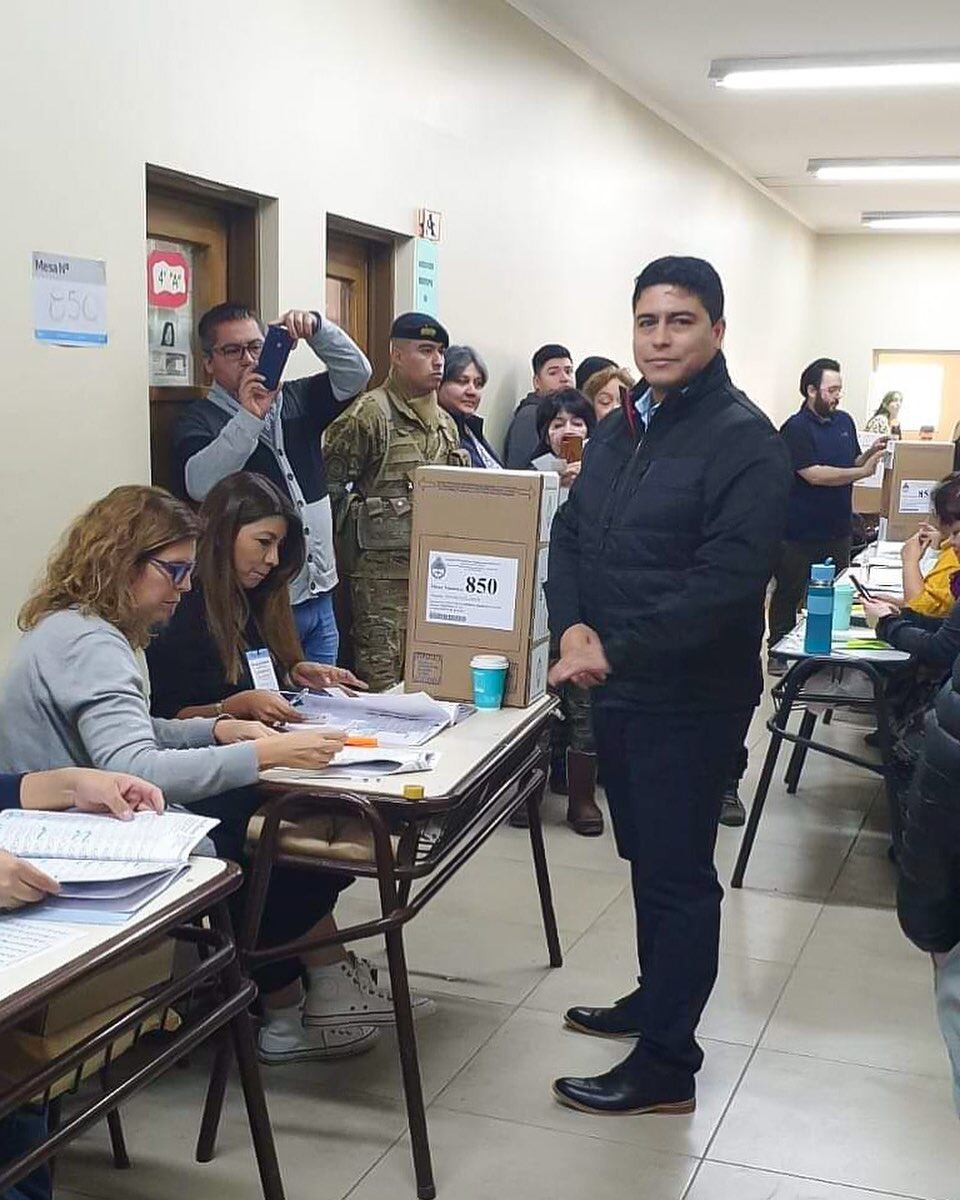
[478,591]
[915,495]
[69,300]
[425,276]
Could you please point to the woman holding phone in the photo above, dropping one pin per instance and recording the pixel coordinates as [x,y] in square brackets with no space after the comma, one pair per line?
[565,420]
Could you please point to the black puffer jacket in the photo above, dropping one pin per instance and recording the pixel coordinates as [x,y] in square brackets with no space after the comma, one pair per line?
[666,545]
[928,900]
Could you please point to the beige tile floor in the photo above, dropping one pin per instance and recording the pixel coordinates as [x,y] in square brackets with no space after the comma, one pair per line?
[825,1078]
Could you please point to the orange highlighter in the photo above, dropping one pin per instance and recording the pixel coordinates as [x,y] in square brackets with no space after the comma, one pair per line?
[357,739]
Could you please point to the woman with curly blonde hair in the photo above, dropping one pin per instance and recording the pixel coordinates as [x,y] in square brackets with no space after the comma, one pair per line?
[76,695]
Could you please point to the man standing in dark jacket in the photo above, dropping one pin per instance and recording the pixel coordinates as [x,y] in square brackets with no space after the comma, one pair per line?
[658,566]
[552,372]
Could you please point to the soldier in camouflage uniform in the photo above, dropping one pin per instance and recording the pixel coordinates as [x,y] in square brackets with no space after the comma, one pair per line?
[371,452]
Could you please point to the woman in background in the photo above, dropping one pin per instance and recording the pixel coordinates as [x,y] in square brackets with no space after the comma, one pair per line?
[568,414]
[604,389]
[461,390]
[564,414]
[886,420]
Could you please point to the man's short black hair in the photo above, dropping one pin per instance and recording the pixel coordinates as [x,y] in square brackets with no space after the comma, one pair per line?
[214,317]
[545,353]
[946,499]
[694,275]
[813,374]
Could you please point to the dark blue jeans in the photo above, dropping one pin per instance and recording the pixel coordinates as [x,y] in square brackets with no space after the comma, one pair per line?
[19,1132]
[664,775]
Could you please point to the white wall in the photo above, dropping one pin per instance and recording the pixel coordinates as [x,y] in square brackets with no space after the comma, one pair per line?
[883,292]
[555,187]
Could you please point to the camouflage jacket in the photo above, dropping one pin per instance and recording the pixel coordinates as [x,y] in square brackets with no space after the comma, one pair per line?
[371,452]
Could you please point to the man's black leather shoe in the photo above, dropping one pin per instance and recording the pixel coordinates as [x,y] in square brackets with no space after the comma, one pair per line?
[628,1090]
[617,1021]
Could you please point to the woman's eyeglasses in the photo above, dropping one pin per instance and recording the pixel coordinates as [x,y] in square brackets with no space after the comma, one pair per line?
[177,572]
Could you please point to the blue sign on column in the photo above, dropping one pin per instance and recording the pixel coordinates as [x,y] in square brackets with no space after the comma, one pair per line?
[425,271]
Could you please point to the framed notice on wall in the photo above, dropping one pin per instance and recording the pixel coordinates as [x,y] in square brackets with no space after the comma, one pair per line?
[69,300]
[170,313]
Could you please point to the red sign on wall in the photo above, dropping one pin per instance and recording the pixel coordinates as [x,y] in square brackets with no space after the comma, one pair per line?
[168,278]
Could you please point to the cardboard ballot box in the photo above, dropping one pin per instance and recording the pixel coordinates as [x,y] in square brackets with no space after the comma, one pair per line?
[916,470]
[478,561]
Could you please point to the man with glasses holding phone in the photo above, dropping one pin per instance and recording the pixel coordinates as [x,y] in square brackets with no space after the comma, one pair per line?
[827,461]
[241,425]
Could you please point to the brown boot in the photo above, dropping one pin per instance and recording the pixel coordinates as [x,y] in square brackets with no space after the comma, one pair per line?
[583,815]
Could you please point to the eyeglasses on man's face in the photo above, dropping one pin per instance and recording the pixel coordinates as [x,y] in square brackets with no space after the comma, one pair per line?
[176,572]
[234,351]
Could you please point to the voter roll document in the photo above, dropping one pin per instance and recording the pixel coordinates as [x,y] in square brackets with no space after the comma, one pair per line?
[107,869]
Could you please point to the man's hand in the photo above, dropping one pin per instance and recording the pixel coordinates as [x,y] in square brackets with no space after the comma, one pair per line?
[298,323]
[21,883]
[319,675]
[108,792]
[253,396]
[869,464]
[880,443]
[582,660]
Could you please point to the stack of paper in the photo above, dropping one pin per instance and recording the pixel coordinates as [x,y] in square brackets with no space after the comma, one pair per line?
[107,869]
[361,762]
[393,718]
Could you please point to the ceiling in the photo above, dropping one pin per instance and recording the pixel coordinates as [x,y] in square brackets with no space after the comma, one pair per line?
[661,55]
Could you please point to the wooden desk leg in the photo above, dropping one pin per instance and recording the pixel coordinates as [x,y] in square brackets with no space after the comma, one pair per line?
[244,1045]
[409,1064]
[534,802]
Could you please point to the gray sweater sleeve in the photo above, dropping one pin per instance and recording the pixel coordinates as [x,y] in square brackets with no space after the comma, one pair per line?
[228,452]
[347,365]
[101,691]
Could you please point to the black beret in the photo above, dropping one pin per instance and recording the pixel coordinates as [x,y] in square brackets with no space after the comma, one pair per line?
[418,327]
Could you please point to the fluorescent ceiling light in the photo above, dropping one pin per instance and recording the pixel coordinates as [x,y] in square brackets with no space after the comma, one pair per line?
[921,69]
[921,222]
[884,168]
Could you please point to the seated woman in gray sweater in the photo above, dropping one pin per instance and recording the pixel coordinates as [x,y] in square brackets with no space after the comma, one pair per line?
[76,694]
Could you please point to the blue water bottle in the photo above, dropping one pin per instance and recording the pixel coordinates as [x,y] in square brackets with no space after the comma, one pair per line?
[819,609]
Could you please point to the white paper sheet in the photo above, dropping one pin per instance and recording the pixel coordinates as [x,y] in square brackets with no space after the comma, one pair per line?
[147,837]
[22,936]
[394,719]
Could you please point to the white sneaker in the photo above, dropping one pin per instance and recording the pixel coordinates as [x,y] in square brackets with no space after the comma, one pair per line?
[347,994]
[283,1038]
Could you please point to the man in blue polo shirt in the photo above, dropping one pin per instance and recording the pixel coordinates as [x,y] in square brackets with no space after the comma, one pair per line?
[827,460]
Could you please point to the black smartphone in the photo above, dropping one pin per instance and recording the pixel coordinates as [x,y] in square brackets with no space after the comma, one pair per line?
[867,595]
[277,345]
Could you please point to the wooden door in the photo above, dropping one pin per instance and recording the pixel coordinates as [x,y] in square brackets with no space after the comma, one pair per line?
[359,295]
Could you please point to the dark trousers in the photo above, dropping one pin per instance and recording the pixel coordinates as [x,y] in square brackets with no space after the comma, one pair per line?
[19,1133]
[792,576]
[296,898]
[664,775]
